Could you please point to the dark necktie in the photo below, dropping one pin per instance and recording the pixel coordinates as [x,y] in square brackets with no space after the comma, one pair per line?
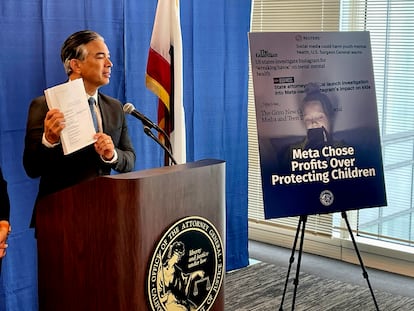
[91,101]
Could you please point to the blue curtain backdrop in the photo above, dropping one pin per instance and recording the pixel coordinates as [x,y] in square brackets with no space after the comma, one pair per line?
[215,51]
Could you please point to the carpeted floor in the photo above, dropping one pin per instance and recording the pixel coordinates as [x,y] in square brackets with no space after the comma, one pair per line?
[259,287]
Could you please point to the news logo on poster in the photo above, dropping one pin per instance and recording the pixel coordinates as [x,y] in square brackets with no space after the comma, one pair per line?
[317,122]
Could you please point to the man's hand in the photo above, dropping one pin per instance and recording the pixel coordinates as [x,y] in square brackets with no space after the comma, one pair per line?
[54,124]
[5,230]
[104,146]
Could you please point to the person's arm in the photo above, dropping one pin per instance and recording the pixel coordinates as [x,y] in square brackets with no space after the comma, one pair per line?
[5,230]
[4,215]
[125,152]
[38,157]
[115,125]
[4,199]
[124,149]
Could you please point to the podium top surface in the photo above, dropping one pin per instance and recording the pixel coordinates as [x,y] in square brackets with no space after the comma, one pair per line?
[165,169]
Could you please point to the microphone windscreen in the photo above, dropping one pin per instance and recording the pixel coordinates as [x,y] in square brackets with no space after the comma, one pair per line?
[128,108]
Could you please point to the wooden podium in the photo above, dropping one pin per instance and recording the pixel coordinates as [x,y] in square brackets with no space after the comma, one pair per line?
[95,239]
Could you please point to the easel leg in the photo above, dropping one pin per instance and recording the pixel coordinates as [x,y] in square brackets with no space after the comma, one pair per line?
[296,281]
[301,224]
[364,271]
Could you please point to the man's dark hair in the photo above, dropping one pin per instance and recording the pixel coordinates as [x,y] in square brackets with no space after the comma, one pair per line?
[73,47]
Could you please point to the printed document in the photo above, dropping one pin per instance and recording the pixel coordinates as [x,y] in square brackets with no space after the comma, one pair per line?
[71,99]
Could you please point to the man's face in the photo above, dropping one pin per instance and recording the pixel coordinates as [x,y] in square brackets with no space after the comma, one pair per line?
[314,116]
[95,69]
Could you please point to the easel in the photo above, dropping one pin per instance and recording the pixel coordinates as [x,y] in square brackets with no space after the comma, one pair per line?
[301,228]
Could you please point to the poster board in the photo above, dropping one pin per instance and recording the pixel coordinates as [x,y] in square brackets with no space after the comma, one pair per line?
[317,122]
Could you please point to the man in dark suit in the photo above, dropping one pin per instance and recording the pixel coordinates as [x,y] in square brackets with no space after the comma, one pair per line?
[4,216]
[84,55]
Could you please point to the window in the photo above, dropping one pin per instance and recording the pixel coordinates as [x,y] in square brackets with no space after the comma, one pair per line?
[391,26]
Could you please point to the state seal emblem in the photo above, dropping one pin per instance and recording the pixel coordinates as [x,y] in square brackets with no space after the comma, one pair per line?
[187,267]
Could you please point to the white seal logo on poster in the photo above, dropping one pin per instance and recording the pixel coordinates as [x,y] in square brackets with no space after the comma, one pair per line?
[187,267]
[326,197]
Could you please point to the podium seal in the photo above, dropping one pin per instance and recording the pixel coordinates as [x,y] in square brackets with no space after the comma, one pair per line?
[187,267]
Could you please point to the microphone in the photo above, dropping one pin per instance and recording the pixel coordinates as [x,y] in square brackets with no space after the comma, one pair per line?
[148,125]
[129,108]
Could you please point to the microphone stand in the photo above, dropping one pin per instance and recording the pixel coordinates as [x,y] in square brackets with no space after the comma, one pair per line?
[149,133]
[160,130]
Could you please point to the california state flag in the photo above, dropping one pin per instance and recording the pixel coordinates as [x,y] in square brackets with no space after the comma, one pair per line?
[164,74]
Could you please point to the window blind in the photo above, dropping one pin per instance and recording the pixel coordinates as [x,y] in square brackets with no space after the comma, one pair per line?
[391,26]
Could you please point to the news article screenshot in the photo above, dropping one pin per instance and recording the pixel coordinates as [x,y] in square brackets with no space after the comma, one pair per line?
[317,122]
